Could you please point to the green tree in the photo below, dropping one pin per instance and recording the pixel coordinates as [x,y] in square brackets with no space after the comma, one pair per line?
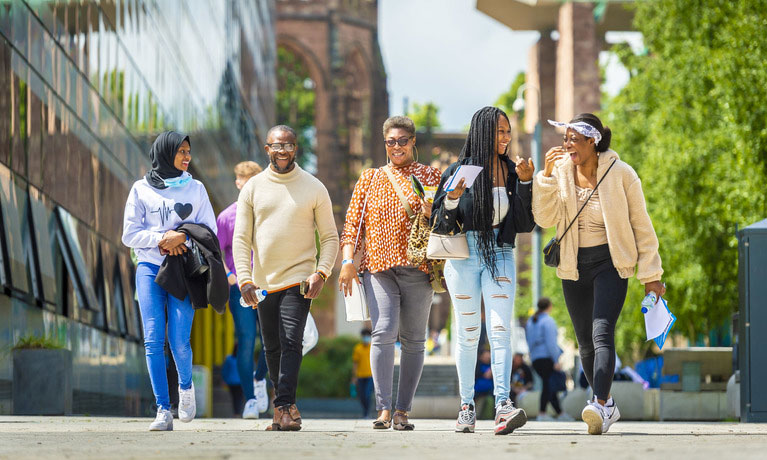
[506,100]
[295,101]
[692,121]
[425,116]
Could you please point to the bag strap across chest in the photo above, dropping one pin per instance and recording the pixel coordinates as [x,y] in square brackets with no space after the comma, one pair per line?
[398,191]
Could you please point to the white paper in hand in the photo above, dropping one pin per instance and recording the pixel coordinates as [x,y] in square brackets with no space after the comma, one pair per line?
[468,173]
[657,319]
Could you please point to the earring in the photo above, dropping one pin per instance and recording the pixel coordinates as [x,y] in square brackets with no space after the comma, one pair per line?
[416,153]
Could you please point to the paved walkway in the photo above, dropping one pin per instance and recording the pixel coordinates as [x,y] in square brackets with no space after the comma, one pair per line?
[116,438]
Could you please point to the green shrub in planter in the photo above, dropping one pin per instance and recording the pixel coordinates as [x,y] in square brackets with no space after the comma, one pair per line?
[327,370]
[42,377]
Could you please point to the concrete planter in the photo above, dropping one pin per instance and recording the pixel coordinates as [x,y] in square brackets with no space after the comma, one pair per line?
[42,381]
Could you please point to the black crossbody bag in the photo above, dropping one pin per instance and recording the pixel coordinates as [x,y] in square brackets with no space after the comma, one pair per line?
[551,250]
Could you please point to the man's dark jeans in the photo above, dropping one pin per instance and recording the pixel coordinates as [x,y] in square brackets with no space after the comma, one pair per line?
[283,318]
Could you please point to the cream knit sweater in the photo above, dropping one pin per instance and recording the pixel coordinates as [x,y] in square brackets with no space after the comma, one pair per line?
[630,234]
[276,218]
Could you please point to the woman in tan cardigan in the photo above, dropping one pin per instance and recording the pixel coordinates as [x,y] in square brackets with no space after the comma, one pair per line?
[611,240]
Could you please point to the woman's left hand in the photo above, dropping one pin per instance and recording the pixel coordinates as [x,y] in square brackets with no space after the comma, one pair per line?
[525,169]
[172,239]
[426,208]
[656,287]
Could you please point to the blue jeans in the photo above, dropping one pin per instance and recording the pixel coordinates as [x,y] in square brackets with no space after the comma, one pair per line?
[469,281]
[364,391]
[156,305]
[246,328]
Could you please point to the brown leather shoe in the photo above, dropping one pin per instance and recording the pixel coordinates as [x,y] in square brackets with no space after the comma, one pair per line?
[275,426]
[291,418]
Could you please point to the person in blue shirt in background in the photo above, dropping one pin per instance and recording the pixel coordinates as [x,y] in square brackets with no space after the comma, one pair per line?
[231,377]
[541,334]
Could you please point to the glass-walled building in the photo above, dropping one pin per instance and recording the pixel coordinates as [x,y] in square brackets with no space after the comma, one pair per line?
[85,87]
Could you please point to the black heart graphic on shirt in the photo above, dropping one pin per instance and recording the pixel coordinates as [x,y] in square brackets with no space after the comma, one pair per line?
[183,210]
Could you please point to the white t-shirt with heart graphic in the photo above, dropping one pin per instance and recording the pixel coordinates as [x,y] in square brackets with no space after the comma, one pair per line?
[150,212]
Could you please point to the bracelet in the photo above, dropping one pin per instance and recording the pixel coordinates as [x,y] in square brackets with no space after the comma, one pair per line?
[229,274]
[347,261]
[322,275]
[246,282]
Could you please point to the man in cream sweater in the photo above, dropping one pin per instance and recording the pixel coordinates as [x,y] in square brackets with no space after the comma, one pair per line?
[277,213]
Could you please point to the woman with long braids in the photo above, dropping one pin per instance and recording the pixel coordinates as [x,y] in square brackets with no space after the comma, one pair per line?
[610,240]
[491,213]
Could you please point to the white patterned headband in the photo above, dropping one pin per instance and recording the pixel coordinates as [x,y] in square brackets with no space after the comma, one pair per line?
[581,127]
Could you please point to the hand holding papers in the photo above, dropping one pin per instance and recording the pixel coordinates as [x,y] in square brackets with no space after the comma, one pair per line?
[658,319]
[468,173]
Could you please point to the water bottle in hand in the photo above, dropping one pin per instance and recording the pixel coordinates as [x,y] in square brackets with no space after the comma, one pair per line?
[648,301]
[260,295]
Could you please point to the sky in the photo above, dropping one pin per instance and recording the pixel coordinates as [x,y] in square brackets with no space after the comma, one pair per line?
[449,53]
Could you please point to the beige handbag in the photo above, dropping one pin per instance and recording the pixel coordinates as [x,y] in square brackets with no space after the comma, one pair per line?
[447,246]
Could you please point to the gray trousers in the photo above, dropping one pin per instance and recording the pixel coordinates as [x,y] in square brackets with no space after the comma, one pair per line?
[399,300]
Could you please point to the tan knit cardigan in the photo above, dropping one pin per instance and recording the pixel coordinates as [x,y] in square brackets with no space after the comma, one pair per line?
[630,234]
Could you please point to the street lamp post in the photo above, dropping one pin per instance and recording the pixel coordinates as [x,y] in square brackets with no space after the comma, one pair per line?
[535,152]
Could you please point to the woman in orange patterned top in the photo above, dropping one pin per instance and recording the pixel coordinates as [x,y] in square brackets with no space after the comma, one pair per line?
[398,294]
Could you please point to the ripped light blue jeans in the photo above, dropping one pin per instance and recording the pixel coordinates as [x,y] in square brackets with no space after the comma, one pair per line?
[469,281]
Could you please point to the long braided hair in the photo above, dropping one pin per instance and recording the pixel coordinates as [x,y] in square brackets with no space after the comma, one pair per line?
[480,150]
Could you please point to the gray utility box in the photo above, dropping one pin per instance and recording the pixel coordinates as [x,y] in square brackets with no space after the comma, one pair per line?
[752,330]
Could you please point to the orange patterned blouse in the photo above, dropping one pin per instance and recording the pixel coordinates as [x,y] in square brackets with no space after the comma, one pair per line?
[386,226]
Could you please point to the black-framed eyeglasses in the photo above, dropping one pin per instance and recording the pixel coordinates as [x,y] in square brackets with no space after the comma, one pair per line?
[402,141]
[278,147]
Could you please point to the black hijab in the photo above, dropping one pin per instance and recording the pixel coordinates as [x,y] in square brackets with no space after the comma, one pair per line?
[162,155]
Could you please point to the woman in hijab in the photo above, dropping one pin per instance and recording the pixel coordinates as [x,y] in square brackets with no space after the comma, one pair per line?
[157,204]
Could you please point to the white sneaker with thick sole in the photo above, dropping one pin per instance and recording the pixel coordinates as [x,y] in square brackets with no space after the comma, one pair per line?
[611,414]
[592,415]
[262,396]
[467,419]
[187,406]
[600,418]
[251,409]
[163,421]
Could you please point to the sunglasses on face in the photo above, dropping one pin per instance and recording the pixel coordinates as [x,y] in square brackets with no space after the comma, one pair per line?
[277,147]
[402,141]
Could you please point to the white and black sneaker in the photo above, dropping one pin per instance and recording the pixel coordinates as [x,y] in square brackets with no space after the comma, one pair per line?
[611,414]
[163,421]
[187,406]
[508,418]
[599,418]
[467,419]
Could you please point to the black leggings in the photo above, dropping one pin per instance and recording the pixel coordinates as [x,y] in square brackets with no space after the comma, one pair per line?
[594,303]
[545,368]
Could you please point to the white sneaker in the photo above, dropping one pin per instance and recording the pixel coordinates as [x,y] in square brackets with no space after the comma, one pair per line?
[592,415]
[564,417]
[611,414]
[262,396]
[251,409]
[187,406]
[163,421]
[467,419]
[599,418]
[544,418]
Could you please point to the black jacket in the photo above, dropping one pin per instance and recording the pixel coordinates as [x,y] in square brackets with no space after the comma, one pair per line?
[211,287]
[519,218]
